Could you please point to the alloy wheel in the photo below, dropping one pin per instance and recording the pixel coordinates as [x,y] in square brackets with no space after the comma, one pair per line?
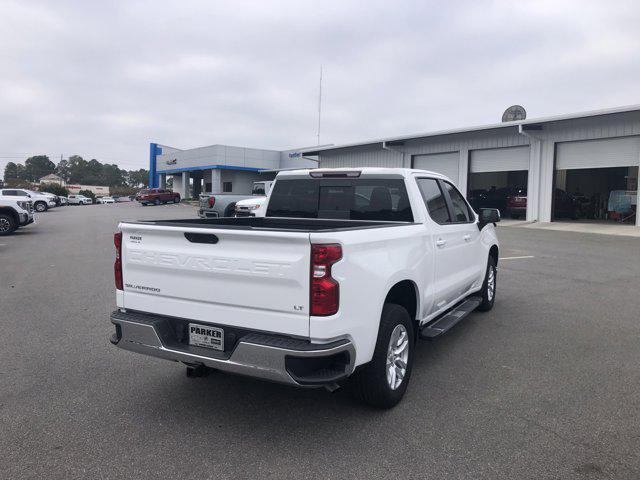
[397,356]
[491,283]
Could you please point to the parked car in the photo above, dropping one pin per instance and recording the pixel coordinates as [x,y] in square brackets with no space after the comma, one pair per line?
[516,203]
[63,201]
[15,212]
[41,202]
[251,207]
[157,196]
[105,200]
[52,196]
[79,200]
[224,204]
[345,271]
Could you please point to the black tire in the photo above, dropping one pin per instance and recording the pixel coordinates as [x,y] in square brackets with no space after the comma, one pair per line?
[369,384]
[157,202]
[230,210]
[489,297]
[8,224]
[41,207]
[176,199]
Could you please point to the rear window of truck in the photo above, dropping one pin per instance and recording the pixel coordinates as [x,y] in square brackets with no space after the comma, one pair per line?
[350,199]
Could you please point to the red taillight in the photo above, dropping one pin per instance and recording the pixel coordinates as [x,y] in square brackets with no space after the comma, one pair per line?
[325,291]
[117,266]
[212,201]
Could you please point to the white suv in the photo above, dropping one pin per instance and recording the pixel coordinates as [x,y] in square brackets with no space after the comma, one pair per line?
[41,202]
[79,200]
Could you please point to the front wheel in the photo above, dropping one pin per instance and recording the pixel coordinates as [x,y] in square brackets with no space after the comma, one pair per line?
[41,207]
[156,202]
[7,224]
[176,200]
[383,382]
[489,286]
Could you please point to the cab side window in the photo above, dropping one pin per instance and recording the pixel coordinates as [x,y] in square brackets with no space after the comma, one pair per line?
[434,200]
[461,212]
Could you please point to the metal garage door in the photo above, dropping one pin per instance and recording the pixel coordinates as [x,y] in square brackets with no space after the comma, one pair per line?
[611,152]
[500,159]
[444,163]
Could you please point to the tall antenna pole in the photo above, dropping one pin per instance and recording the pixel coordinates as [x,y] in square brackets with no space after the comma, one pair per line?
[319,104]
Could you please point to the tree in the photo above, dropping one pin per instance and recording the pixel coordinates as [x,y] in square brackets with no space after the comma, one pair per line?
[10,171]
[139,178]
[63,170]
[88,193]
[55,189]
[37,167]
[77,169]
[21,172]
[113,176]
[18,183]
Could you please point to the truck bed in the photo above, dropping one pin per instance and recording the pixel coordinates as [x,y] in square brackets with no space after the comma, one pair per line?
[273,224]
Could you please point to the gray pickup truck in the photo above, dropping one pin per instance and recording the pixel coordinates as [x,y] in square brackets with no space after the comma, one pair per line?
[214,205]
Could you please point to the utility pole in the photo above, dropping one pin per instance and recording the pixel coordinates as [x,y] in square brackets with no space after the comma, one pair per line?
[319,104]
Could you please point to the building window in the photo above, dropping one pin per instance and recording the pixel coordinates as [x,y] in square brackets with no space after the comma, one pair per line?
[226,187]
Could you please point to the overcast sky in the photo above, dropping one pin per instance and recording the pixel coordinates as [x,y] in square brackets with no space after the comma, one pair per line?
[103,79]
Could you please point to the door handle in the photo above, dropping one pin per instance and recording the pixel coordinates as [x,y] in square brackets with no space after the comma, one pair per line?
[467,237]
[440,242]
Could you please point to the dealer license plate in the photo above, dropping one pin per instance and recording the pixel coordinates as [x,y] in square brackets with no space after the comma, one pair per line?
[204,336]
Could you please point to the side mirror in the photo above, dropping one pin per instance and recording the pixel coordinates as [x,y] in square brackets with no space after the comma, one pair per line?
[488,215]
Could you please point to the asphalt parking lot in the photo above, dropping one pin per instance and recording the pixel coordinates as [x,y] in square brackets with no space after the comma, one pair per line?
[547,385]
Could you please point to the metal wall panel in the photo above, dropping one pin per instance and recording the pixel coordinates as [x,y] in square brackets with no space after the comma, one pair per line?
[613,152]
[217,155]
[444,163]
[500,159]
[370,157]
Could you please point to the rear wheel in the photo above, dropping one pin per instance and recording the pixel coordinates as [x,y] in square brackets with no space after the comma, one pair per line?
[230,210]
[8,224]
[383,382]
[156,202]
[489,286]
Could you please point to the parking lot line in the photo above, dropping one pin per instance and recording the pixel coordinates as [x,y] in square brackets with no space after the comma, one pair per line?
[517,258]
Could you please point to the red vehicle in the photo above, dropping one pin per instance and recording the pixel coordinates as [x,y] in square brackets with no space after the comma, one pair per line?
[516,203]
[156,196]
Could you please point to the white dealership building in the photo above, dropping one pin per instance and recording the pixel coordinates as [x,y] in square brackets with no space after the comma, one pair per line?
[575,166]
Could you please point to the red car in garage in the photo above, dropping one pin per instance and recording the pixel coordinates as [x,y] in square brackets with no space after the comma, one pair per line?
[565,205]
[516,203]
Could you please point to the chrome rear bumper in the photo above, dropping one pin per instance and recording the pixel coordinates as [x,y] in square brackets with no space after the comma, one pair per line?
[268,357]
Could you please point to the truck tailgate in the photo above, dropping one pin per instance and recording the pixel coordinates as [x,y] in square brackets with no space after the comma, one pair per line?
[257,280]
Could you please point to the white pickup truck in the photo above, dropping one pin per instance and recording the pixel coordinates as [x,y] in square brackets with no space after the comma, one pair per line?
[346,270]
[15,212]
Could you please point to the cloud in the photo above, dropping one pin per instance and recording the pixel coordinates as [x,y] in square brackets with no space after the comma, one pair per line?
[103,79]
